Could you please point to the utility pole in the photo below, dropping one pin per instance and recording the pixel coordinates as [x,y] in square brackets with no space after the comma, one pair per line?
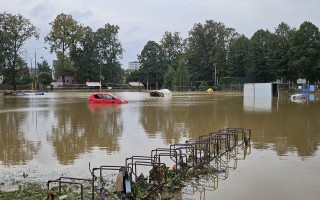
[35,65]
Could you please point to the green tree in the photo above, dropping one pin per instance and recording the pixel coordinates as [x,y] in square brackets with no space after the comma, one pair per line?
[153,64]
[182,75]
[109,52]
[173,46]
[86,62]
[259,57]
[206,50]
[305,51]
[63,66]
[15,30]
[44,73]
[279,54]
[237,57]
[45,77]
[63,38]
[113,74]
[169,78]
[43,67]
[23,76]
[134,76]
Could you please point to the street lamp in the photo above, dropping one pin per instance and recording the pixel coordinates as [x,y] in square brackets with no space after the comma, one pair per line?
[35,64]
[35,58]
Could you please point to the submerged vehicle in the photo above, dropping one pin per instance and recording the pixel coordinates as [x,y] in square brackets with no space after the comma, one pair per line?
[105,98]
[160,93]
[298,97]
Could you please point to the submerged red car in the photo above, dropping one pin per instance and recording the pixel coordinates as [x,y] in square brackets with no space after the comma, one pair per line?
[105,98]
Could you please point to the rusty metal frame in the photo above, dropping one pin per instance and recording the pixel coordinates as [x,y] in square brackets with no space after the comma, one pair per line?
[71,181]
[204,150]
[102,168]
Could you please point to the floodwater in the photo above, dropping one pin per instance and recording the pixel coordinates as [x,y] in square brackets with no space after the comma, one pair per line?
[59,134]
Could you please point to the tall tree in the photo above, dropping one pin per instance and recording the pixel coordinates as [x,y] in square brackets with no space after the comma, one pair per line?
[109,51]
[279,56]
[153,64]
[44,67]
[86,58]
[206,49]
[182,75]
[63,38]
[173,46]
[169,78]
[237,57]
[258,57]
[15,30]
[45,73]
[305,51]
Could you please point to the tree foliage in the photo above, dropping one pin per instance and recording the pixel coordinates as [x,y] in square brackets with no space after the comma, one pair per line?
[211,52]
[279,56]
[258,57]
[305,51]
[153,64]
[182,75]
[84,53]
[86,59]
[63,39]
[15,30]
[43,67]
[237,57]
[109,51]
[169,78]
[206,49]
[173,47]
[44,77]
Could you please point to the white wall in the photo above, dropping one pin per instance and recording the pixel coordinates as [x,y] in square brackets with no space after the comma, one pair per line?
[257,97]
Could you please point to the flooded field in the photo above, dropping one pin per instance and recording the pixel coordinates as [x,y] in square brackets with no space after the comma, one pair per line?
[57,134]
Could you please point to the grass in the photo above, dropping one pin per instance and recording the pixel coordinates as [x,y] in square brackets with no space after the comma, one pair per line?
[28,191]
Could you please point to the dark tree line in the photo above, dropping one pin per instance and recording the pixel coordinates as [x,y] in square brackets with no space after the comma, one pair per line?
[211,54]
[214,53]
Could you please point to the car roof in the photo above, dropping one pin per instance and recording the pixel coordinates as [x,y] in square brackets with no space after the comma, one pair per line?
[102,93]
[95,93]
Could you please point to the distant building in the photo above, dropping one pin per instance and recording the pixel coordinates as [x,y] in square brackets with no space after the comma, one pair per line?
[134,66]
[68,79]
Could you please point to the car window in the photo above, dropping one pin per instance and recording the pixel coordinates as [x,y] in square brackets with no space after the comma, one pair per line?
[97,96]
[106,96]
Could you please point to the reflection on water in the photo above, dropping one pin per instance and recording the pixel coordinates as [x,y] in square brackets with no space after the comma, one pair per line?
[59,133]
[257,104]
[222,166]
[79,129]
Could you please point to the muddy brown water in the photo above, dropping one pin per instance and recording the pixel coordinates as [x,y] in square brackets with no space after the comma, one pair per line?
[58,134]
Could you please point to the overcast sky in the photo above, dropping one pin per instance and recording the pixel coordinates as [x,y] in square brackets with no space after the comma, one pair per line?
[144,20]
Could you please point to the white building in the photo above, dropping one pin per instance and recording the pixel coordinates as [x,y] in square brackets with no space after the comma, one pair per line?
[133,66]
